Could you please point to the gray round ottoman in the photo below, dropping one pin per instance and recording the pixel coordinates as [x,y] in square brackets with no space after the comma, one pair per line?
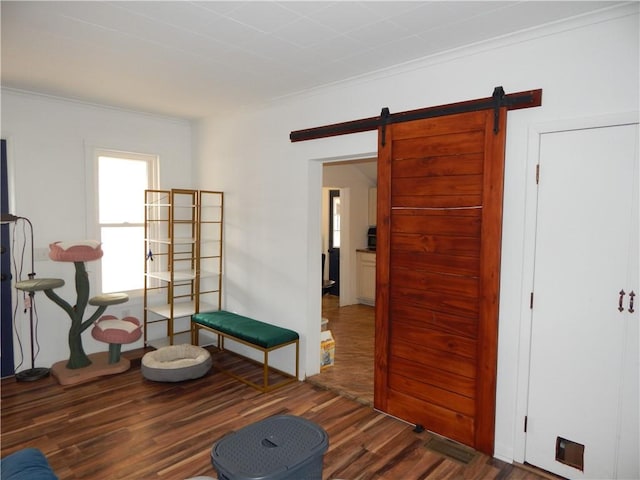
[176,363]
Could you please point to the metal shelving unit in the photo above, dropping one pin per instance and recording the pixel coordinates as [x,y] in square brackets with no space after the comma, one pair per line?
[183,268]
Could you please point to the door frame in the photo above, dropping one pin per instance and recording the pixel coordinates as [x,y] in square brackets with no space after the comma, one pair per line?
[314,244]
[530,220]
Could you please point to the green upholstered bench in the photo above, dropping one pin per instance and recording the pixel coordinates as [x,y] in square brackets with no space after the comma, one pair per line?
[254,333]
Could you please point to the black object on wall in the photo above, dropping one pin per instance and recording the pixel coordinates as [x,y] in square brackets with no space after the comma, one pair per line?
[334,245]
[334,270]
[7,366]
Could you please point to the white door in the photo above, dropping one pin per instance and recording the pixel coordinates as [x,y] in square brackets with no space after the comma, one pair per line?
[582,415]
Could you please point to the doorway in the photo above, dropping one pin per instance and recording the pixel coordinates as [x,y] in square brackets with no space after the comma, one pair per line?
[351,323]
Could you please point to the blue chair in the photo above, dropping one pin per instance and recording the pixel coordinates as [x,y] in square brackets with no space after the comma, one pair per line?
[26,464]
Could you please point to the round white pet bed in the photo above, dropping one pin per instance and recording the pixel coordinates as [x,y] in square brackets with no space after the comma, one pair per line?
[176,363]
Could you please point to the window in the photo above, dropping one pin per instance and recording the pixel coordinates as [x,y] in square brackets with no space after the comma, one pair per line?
[122,180]
[334,219]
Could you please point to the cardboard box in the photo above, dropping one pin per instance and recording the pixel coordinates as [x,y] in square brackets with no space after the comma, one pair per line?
[327,349]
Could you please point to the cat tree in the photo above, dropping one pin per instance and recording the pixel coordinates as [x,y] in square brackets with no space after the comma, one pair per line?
[82,367]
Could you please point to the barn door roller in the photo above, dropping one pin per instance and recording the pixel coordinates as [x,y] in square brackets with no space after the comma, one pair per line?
[498,99]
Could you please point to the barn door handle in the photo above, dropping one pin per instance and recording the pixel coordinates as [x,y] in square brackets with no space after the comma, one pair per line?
[631,295]
[620,307]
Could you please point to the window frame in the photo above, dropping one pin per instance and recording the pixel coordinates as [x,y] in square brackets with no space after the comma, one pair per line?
[94,228]
[333,194]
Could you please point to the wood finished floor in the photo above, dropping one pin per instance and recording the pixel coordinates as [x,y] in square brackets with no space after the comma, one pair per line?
[353,330]
[126,427]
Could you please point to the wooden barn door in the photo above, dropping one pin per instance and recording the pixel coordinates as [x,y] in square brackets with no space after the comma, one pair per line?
[440,184]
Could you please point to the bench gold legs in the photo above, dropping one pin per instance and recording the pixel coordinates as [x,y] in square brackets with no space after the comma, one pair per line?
[266,369]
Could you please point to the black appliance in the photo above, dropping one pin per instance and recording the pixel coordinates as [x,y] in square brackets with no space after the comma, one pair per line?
[371,238]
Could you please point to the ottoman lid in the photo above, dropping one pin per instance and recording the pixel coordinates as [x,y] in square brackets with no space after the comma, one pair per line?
[270,448]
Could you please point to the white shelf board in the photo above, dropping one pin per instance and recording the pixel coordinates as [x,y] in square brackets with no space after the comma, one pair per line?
[179,276]
[205,274]
[176,241]
[178,339]
[180,309]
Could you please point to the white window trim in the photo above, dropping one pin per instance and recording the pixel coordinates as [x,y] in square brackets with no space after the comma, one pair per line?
[92,153]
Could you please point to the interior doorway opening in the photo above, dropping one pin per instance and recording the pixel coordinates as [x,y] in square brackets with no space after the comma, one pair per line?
[351,323]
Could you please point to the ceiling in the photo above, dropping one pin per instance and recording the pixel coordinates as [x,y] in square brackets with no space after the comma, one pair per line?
[194,59]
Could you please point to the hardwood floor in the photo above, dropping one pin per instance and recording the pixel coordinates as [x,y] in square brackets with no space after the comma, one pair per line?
[353,330]
[126,427]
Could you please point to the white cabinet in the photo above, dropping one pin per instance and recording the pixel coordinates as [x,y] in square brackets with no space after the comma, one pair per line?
[373,206]
[366,277]
[183,247]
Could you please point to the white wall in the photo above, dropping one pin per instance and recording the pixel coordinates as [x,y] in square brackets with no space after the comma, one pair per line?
[48,142]
[585,67]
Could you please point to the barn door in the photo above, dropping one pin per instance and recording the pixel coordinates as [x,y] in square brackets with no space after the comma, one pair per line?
[440,183]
